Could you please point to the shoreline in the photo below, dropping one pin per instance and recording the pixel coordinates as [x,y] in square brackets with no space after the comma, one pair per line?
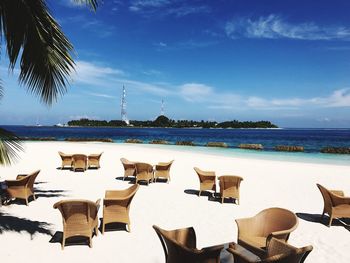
[274,156]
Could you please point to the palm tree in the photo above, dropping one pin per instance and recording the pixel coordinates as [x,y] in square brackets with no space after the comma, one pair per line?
[33,35]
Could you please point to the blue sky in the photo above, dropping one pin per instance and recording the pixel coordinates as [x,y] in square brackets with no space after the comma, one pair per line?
[283,61]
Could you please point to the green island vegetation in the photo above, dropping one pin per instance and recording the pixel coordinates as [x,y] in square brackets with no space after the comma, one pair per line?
[163,121]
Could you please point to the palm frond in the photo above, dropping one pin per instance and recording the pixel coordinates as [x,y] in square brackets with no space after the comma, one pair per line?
[46,61]
[9,147]
[90,3]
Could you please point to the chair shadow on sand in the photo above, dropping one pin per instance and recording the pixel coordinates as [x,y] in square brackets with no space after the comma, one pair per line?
[131,180]
[38,194]
[111,227]
[17,224]
[71,241]
[211,197]
[317,218]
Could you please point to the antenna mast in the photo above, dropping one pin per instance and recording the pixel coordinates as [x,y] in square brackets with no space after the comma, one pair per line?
[123,107]
[162,112]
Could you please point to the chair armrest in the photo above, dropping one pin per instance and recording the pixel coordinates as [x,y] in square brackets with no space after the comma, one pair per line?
[337,192]
[19,182]
[339,199]
[278,235]
[209,252]
[243,256]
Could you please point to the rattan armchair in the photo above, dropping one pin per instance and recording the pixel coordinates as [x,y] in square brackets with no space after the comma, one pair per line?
[79,218]
[206,180]
[162,170]
[180,246]
[79,162]
[229,187]
[66,160]
[336,205]
[255,233]
[116,206]
[22,187]
[144,172]
[94,160]
[277,252]
[129,168]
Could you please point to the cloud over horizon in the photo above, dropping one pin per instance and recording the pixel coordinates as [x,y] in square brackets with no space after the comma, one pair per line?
[275,27]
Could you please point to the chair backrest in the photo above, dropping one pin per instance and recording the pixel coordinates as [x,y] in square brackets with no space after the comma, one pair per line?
[275,219]
[79,160]
[78,211]
[95,156]
[178,245]
[32,178]
[124,197]
[143,167]
[204,175]
[127,164]
[64,156]
[281,252]
[230,183]
[328,204]
[164,166]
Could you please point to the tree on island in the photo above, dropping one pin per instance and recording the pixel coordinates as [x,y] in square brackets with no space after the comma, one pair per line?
[31,33]
[163,121]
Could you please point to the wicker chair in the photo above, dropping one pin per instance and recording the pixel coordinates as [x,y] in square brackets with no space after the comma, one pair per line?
[22,187]
[277,252]
[144,172]
[79,218]
[255,233]
[79,162]
[206,180]
[94,160]
[162,170]
[180,246]
[336,205]
[129,168]
[229,187]
[66,160]
[116,206]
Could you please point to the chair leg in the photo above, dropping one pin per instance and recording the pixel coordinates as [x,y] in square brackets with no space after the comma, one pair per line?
[63,242]
[222,200]
[34,197]
[96,230]
[129,228]
[330,220]
[27,201]
[103,228]
[199,193]
[90,241]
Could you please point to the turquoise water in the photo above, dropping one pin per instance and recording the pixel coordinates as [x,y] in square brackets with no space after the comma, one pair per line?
[318,158]
[313,140]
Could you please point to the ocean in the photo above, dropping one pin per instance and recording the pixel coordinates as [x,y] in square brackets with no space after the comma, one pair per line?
[313,140]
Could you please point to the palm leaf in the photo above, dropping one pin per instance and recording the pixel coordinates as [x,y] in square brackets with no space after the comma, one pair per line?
[9,147]
[91,3]
[46,60]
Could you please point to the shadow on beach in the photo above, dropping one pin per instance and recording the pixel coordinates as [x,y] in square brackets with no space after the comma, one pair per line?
[211,197]
[317,218]
[38,194]
[71,241]
[16,224]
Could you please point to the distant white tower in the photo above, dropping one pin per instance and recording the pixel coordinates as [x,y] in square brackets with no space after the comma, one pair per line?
[124,117]
[162,112]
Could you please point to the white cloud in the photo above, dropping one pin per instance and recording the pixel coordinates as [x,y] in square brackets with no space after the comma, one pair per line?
[90,73]
[195,92]
[168,7]
[101,95]
[274,27]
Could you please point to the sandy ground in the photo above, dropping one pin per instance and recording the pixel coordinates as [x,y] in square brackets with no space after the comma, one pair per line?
[26,231]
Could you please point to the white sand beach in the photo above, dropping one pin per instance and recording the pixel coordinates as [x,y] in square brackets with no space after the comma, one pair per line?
[290,185]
